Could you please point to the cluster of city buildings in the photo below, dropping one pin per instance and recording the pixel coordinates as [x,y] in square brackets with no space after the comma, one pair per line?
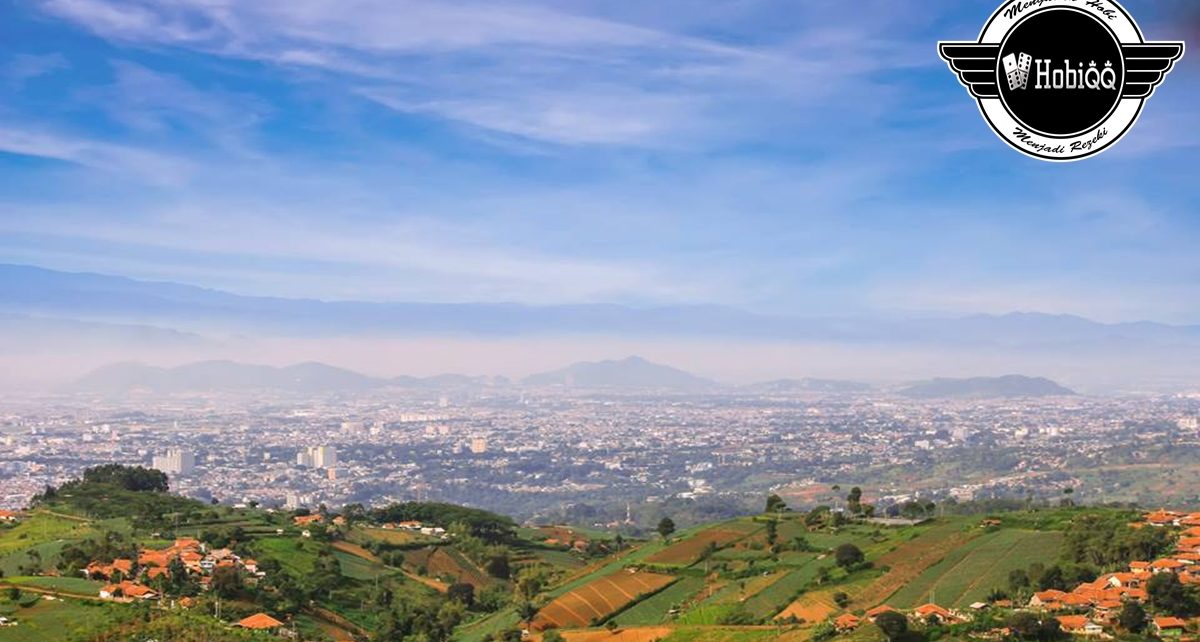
[526,454]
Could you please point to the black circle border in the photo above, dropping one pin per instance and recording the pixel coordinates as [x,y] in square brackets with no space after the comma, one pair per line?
[1024,149]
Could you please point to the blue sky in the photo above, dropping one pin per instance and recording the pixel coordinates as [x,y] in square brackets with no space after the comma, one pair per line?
[811,158]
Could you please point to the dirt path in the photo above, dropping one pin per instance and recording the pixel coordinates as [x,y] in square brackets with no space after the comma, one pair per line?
[51,592]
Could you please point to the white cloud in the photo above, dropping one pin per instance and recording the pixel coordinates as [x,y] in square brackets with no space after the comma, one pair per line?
[98,155]
[24,67]
[533,71]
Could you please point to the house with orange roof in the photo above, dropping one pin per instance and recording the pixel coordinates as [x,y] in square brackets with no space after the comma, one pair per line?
[1079,625]
[1108,610]
[846,622]
[128,590]
[1163,518]
[9,516]
[1079,600]
[1166,566]
[1124,580]
[928,611]
[1043,598]
[880,610]
[1139,567]
[187,544]
[260,622]
[1169,627]
[305,520]
[100,571]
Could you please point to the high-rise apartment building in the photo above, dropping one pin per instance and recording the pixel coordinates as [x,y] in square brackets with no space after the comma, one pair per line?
[176,461]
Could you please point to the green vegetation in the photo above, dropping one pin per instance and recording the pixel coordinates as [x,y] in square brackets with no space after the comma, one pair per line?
[781,575]
[970,572]
[658,608]
[489,527]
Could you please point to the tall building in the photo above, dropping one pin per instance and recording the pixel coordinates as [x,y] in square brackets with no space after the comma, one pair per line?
[317,457]
[479,445]
[176,461]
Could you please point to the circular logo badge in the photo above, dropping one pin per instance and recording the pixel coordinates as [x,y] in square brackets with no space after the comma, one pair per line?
[1061,80]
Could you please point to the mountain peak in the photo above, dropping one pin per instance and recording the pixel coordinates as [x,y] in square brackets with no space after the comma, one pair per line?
[632,372]
[1003,387]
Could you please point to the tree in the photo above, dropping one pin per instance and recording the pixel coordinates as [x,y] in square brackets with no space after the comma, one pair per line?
[530,582]
[463,593]
[842,599]
[226,581]
[775,504]
[553,636]
[1028,626]
[611,625]
[1053,578]
[666,527]
[893,624]
[497,566]
[1169,595]
[854,500]
[823,631]
[1018,580]
[848,555]
[816,516]
[527,610]
[772,532]
[1132,617]
[134,478]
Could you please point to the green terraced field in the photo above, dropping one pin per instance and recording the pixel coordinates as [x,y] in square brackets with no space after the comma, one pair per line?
[775,597]
[970,572]
[654,610]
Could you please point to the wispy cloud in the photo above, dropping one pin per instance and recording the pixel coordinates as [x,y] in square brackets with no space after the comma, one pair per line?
[810,158]
[102,156]
[24,67]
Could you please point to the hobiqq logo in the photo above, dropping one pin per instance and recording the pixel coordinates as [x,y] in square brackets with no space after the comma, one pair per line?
[1061,80]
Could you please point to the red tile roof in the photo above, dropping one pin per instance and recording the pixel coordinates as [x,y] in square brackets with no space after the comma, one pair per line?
[260,621]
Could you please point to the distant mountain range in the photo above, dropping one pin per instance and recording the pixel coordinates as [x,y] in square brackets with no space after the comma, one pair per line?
[630,373]
[633,373]
[35,293]
[1010,386]
[50,320]
[229,376]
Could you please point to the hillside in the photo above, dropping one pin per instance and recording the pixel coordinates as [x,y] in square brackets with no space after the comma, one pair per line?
[455,573]
[1009,386]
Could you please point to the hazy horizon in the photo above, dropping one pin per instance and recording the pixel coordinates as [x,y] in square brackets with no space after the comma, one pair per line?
[749,191]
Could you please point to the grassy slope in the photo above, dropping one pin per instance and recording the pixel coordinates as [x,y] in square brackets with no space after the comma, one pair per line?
[970,572]
[41,528]
[55,620]
[654,610]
